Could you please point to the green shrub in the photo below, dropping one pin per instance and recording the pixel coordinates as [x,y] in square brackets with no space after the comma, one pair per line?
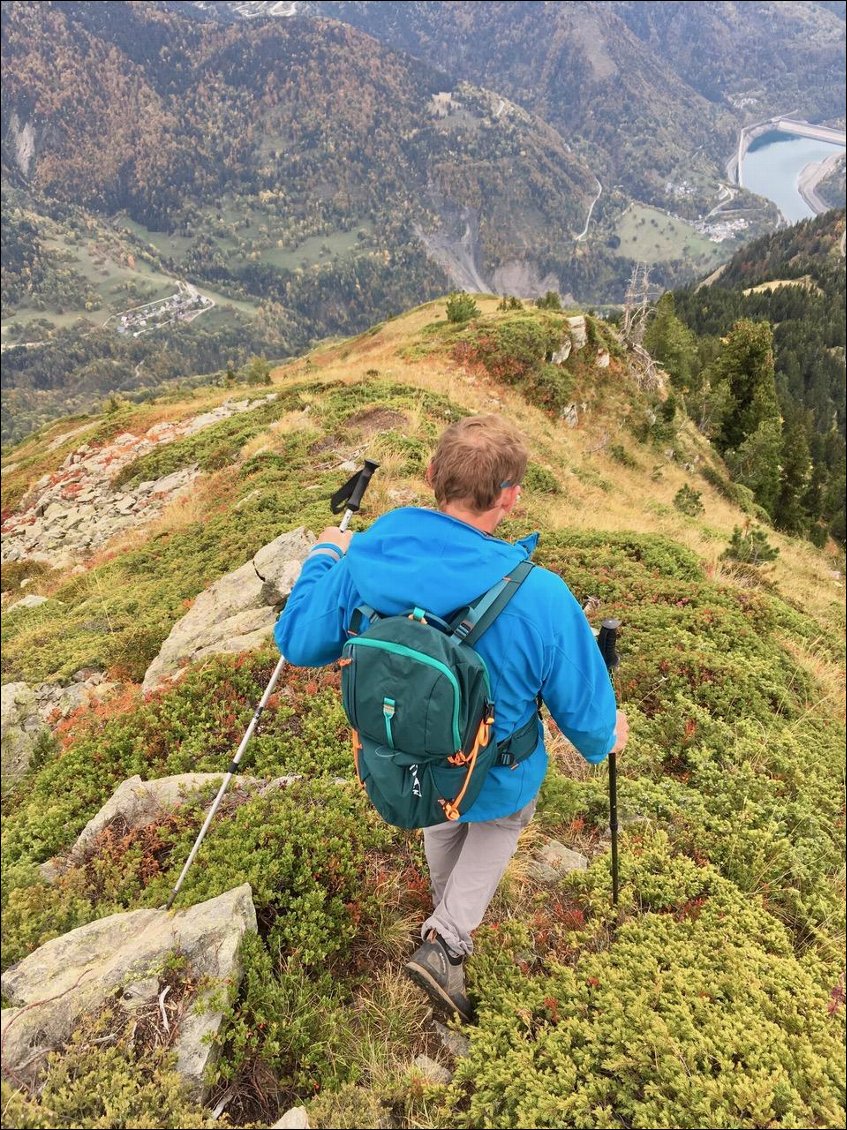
[620,455]
[550,301]
[540,481]
[657,423]
[688,501]
[750,546]
[107,1077]
[461,307]
[279,1039]
[736,493]
[515,351]
[697,1013]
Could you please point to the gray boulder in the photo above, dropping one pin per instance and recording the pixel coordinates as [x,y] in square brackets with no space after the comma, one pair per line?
[20,725]
[136,803]
[28,712]
[120,957]
[578,330]
[237,613]
[296,1118]
[555,860]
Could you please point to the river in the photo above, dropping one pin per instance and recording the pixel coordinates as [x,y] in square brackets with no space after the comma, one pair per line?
[772,167]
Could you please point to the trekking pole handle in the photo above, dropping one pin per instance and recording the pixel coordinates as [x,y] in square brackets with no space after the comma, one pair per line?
[355,500]
[606,640]
[365,474]
[350,495]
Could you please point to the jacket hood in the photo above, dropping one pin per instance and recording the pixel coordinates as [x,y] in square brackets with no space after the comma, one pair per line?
[413,556]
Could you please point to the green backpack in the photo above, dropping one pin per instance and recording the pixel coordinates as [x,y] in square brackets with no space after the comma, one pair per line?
[419,700]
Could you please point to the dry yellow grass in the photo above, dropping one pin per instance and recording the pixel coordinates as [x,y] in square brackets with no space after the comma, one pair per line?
[637,500]
[806,282]
[634,503]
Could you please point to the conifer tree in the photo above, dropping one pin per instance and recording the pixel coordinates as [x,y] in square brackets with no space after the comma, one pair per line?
[790,513]
[672,343]
[746,363]
[750,432]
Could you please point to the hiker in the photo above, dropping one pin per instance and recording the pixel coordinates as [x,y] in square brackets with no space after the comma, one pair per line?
[539,648]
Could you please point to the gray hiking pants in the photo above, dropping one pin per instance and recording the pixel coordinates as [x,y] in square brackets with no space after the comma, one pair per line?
[466,863]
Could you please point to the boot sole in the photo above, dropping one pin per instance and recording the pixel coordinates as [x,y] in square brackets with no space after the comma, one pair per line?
[434,991]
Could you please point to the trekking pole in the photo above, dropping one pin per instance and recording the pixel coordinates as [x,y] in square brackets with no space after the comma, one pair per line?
[606,640]
[355,489]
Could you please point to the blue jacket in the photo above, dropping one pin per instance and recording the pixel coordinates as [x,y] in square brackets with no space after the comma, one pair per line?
[540,643]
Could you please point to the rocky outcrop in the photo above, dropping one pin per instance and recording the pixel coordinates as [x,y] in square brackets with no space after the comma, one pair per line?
[563,353]
[23,137]
[20,726]
[578,331]
[67,515]
[28,712]
[238,612]
[136,803]
[122,957]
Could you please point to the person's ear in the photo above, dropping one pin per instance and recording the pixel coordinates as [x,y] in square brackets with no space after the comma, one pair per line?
[428,474]
[509,498]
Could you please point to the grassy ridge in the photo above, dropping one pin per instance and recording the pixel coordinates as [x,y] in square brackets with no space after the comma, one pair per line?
[716,999]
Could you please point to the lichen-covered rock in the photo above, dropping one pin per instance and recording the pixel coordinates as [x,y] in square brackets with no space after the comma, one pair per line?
[137,803]
[28,712]
[19,726]
[294,1119]
[123,955]
[555,860]
[237,613]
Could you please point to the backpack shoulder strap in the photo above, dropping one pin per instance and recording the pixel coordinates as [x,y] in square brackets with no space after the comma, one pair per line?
[363,617]
[480,615]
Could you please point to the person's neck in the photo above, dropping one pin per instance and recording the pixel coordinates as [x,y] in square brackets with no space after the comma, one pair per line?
[487,522]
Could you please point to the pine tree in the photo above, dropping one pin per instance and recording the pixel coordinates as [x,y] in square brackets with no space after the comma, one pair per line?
[790,513]
[673,344]
[750,432]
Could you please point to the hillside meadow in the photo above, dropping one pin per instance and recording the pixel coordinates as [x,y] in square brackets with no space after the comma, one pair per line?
[713,996]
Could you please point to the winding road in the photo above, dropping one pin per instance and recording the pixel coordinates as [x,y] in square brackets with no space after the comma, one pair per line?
[584,231]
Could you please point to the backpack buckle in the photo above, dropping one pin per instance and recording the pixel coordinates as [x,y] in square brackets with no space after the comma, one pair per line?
[462,630]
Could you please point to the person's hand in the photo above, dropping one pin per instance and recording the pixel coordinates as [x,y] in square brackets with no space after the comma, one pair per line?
[621,732]
[334,535]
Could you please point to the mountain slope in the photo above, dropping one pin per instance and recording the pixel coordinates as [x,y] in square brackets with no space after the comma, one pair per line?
[794,280]
[716,994]
[642,87]
[317,124]
[297,166]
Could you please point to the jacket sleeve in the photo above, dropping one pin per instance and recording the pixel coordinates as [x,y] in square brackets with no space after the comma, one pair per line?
[311,628]
[576,687]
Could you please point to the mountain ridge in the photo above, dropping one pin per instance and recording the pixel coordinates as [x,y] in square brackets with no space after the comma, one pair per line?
[731,675]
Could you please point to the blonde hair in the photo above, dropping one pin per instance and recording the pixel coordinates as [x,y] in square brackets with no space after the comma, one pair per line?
[476,458]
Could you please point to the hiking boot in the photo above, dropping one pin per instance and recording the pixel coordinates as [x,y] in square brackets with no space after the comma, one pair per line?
[441,976]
